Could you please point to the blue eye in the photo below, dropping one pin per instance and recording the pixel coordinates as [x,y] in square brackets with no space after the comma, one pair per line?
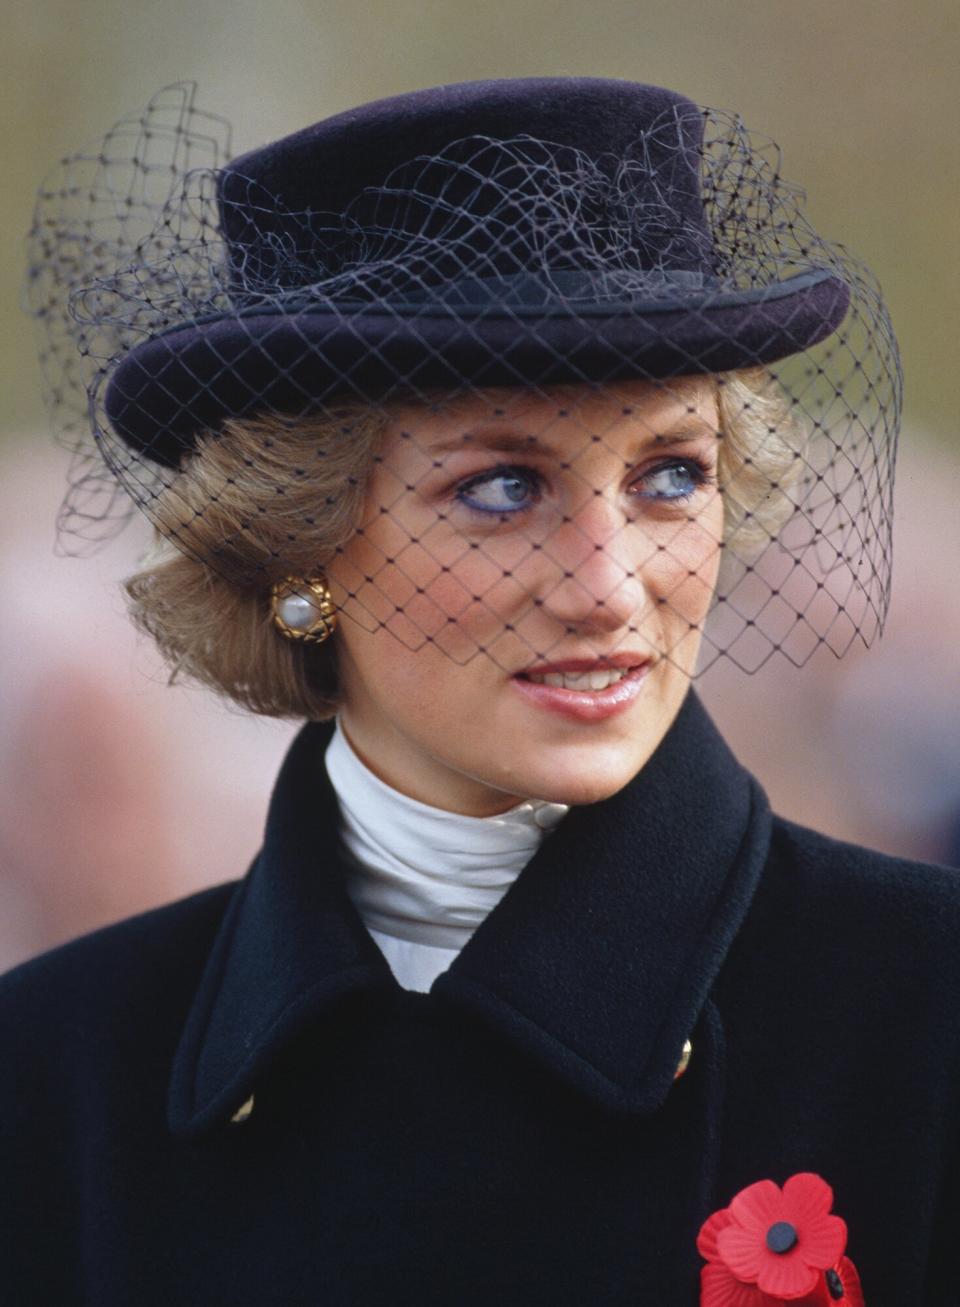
[676,480]
[501,490]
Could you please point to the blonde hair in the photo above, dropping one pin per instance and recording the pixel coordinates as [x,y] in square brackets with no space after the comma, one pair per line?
[761,458]
[234,522]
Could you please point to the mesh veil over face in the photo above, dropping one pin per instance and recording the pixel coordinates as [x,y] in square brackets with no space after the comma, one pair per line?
[511,390]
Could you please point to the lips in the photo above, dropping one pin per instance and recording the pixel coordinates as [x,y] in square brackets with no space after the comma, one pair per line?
[575,665]
[585,689]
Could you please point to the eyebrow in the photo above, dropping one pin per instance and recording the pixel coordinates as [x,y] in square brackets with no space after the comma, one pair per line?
[509,442]
[514,442]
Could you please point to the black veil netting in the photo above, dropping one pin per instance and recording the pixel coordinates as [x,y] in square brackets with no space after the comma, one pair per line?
[219,345]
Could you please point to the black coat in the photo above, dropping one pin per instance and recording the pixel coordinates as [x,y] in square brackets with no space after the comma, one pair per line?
[516,1136]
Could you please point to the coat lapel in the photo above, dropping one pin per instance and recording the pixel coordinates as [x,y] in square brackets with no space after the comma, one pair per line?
[290,944]
[597,962]
[601,956]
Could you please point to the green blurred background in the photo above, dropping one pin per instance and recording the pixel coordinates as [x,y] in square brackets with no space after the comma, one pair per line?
[860,94]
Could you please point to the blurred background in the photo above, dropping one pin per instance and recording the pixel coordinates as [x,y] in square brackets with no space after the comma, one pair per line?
[118,791]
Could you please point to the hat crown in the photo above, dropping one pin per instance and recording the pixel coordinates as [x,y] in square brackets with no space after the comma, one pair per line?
[462,167]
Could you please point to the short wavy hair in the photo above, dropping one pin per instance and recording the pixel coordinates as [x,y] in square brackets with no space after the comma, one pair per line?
[240,506]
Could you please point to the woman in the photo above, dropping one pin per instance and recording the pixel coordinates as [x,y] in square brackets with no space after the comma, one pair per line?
[457,415]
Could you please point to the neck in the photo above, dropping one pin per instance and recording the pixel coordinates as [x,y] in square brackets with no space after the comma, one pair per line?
[423,872]
[436,786]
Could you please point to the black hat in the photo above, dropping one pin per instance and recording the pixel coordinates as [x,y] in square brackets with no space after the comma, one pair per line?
[539,230]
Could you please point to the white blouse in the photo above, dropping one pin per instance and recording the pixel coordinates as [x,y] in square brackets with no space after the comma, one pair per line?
[423,879]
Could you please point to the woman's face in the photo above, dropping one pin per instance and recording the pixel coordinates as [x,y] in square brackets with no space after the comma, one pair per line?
[522,603]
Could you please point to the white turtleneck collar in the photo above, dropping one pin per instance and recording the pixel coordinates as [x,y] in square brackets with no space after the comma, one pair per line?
[423,879]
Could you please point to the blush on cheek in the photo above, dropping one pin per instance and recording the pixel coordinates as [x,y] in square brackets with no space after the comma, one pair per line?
[459,600]
[685,579]
[434,617]
[458,620]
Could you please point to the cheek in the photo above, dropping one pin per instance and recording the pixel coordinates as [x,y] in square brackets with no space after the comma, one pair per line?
[434,589]
[396,675]
[683,574]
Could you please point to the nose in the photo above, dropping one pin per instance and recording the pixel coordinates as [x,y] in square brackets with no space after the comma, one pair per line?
[594,578]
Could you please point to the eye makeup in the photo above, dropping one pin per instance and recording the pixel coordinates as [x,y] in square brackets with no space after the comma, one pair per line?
[511,488]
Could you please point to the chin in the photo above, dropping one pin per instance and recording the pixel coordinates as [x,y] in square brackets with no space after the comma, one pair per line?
[583,783]
[585,765]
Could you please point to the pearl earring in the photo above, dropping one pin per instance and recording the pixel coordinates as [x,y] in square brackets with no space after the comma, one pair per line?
[303,609]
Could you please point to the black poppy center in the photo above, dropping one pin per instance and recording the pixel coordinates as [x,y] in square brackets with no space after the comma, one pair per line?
[781,1237]
[834,1285]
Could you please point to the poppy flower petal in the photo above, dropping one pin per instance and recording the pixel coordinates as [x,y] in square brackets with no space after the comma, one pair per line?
[786,1277]
[820,1297]
[852,1288]
[707,1238]
[808,1197]
[741,1251]
[823,1241]
[719,1288]
[758,1206]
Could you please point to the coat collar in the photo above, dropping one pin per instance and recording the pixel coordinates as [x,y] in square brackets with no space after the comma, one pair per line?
[597,962]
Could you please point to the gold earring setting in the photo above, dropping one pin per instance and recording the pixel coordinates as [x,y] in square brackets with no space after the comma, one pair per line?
[303,609]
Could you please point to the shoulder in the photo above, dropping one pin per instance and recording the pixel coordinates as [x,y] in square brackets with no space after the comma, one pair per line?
[832,873]
[88,1033]
[99,987]
[883,922]
[849,959]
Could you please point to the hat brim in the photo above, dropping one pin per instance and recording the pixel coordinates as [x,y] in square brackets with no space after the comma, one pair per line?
[190,379]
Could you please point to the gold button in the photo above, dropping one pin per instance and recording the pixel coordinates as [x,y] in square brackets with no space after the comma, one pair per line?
[243,1112]
[684,1059]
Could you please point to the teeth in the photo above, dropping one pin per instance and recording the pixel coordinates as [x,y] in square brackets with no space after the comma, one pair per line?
[598,680]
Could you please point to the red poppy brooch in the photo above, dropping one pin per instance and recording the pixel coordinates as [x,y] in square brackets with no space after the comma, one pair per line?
[773,1246]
